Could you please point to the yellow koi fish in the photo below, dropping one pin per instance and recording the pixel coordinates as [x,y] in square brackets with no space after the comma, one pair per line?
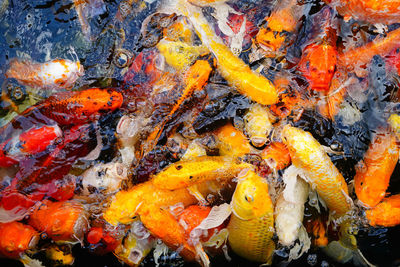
[183,174]
[251,226]
[308,155]
[232,68]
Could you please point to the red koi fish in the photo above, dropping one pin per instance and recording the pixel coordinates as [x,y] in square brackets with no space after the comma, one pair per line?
[33,141]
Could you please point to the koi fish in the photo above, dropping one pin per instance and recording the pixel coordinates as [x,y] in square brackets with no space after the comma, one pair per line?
[60,256]
[289,98]
[232,68]
[232,142]
[308,155]
[318,230]
[104,241]
[362,55]
[183,174]
[27,143]
[372,11]
[318,63]
[386,213]
[251,226]
[61,221]
[195,78]
[276,155]
[16,239]
[289,208]
[55,74]
[136,245]
[374,171]
[258,125]
[281,24]
[106,178]
[180,55]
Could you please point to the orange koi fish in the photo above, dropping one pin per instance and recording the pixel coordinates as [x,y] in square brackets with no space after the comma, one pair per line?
[104,241]
[318,229]
[283,21]
[373,173]
[372,11]
[232,142]
[61,221]
[78,107]
[194,79]
[360,56]
[288,98]
[386,213]
[16,238]
[276,155]
[55,74]
[318,63]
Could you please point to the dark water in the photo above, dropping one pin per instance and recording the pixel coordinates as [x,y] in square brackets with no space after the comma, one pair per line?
[50,29]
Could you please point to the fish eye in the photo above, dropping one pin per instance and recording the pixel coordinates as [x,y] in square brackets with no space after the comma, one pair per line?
[249,198]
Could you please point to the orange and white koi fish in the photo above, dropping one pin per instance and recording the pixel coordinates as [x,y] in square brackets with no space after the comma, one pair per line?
[308,155]
[276,155]
[374,171]
[54,74]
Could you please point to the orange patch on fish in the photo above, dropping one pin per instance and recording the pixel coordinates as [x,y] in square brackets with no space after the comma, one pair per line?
[374,171]
[386,213]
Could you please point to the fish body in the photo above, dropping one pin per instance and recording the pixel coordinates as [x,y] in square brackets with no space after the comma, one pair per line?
[30,142]
[386,213]
[374,171]
[276,155]
[61,221]
[280,26]
[372,11]
[183,174]
[251,226]
[55,74]
[308,155]
[318,64]
[232,142]
[289,211]
[16,239]
[232,68]
[180,55]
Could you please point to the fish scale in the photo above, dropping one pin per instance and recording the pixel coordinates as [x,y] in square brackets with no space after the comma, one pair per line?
[308,155]
[251,239]
[251,226]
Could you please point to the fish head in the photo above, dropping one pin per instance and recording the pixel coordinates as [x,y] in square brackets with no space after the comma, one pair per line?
[249,198]
[318,64]
[297,141]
